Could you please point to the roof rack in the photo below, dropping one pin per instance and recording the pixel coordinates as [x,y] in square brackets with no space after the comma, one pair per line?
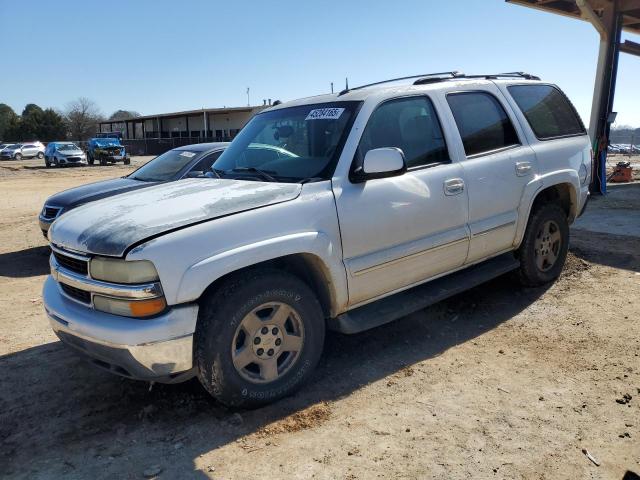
[526,76]
[424,76]
[442,76]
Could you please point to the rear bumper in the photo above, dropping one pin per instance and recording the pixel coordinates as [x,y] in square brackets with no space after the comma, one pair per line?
[158,349]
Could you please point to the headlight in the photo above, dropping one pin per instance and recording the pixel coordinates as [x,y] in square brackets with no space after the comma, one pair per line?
[583,174]
[121,271]
[129,308]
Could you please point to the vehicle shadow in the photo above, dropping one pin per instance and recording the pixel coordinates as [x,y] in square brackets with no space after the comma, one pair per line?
[617,251]
[30,262]
[61,415]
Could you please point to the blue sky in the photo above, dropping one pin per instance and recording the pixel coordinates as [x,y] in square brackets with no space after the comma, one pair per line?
[159,56]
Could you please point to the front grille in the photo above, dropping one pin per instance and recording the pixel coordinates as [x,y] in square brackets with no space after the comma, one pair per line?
[80,295]
[73,159]
[73,264]
[50,212]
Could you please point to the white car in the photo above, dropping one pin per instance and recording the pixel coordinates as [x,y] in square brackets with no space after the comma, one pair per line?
[19,151]
[64,154]
[376,202]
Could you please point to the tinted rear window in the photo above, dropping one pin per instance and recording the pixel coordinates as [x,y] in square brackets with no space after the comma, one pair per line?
[547,110]
[483,124]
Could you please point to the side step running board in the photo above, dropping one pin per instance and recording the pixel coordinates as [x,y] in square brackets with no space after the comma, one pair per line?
[401,304]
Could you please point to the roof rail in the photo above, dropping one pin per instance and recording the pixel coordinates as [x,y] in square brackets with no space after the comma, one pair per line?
[425,76]
[526,76]
[442,76]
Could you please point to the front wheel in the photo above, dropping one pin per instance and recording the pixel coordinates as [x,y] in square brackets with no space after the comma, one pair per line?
[258,338]
[17,156]
[544,248]
[90,159]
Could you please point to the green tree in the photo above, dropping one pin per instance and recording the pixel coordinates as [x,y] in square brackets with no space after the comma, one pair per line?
[52,126]
[7,118]
[30,122]
[30,109]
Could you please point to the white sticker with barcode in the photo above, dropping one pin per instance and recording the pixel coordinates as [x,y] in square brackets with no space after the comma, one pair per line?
[188,154]
[325,114]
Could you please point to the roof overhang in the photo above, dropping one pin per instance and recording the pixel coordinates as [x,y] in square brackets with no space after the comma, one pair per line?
[630,10]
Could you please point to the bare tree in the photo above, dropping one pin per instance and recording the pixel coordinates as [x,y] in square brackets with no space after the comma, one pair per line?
[82,117]
[123,115]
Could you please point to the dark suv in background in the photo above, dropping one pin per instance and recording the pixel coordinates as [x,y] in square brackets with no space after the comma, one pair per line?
[182,162]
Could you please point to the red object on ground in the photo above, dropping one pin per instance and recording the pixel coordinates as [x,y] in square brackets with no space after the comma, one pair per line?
[621,174]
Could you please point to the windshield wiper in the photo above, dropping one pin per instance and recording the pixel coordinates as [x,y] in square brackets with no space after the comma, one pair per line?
[263,173]
[216,172]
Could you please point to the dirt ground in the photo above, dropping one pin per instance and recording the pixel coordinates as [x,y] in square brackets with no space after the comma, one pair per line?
[498,382]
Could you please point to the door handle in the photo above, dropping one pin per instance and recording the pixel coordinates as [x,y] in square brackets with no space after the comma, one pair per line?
[453,186]
[523,168]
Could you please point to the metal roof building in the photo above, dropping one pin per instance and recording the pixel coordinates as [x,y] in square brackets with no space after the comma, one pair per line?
[212,124]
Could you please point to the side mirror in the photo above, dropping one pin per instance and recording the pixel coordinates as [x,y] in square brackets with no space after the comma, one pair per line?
[381,163]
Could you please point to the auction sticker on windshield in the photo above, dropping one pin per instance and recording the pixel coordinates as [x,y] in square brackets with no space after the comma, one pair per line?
[325,114]
[188,154]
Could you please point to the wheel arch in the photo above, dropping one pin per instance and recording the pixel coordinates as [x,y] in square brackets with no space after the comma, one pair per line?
[307,267]
[561,187]
[312,256]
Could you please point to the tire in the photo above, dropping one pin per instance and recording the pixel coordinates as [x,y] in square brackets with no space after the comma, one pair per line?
[90,159]
[40,155]
[544,247]
[242,314]
[17,156]
[103,162]
[47,164]
[127,161]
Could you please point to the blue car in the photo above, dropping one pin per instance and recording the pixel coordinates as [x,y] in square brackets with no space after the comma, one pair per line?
[107,150]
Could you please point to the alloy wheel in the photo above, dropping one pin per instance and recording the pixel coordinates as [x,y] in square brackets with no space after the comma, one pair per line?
[547,245]
[268,342]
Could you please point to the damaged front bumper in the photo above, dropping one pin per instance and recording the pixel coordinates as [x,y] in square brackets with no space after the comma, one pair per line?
[159,349]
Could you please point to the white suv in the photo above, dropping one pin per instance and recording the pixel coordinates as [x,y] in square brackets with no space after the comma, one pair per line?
[19,151]
[341,211]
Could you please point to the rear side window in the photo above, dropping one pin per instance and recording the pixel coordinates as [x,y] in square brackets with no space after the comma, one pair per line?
[547,110]
[482,122]
[410,124]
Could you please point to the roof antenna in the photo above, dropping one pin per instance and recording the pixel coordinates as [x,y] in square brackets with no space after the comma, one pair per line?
[346,83]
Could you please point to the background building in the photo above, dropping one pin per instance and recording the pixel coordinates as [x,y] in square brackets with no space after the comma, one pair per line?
[155,134]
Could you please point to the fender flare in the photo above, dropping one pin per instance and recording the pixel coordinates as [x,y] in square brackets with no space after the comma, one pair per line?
[203,273]
[540,183]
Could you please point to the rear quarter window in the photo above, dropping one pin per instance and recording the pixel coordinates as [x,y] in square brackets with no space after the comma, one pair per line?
[548,111]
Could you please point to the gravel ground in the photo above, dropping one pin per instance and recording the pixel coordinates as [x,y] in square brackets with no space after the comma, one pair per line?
[498,382]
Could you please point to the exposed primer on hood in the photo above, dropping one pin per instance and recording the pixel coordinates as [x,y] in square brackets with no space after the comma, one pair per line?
[110,226]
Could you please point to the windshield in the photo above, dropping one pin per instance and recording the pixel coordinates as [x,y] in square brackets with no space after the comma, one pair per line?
[67,146]
[166,166]
[289,144]
[107,142]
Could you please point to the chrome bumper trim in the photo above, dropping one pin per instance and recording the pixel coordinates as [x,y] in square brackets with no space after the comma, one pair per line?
[75,280]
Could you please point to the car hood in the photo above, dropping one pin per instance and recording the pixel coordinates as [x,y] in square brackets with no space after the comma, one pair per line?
[70,153]
[94,191]
[113,225]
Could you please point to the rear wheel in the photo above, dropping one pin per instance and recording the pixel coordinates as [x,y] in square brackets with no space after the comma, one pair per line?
[40,155]
[258,338]
[544,248]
